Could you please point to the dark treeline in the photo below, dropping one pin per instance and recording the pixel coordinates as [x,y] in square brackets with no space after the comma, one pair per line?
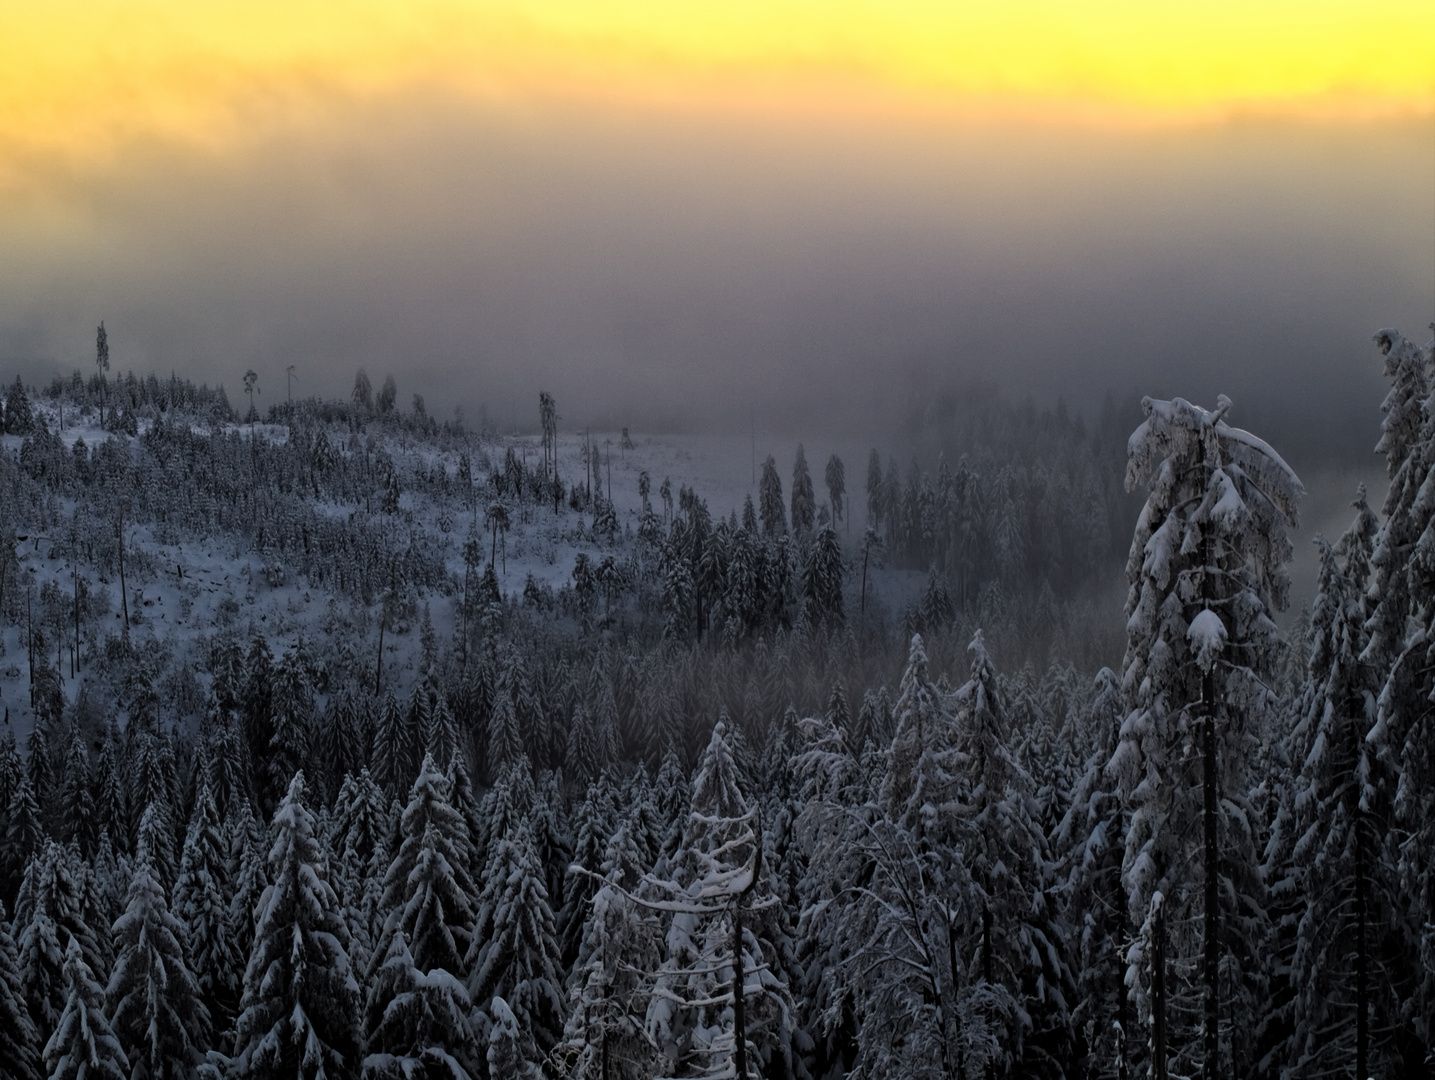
[711,807]
[1020,498]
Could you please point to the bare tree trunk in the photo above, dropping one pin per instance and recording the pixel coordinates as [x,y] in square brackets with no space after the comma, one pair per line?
[75,666]
[30,641]
[124,593]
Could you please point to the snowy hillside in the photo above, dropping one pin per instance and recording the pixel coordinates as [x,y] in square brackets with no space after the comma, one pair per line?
[347,742]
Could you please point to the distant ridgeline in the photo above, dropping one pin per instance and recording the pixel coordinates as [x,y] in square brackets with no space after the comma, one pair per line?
[343,742]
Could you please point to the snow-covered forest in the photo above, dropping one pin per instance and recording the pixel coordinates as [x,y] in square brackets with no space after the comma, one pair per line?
[346,742]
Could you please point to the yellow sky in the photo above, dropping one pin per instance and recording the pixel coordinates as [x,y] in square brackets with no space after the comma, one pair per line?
[81,77]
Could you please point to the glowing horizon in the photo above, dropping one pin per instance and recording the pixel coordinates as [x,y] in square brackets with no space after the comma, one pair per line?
[81,77]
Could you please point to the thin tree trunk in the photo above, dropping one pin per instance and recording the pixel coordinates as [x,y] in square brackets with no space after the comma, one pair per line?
[1211,1035]
[124,593]
[987,945]
[76,664]
[379,664]
[952,990]
[987,966]
[739,1004]
[30,642]
[866,551]
[1158,993]
[1211,920]
[1362,960]
[467,573]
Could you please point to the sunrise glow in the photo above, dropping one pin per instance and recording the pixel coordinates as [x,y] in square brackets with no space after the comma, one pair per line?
[80,76]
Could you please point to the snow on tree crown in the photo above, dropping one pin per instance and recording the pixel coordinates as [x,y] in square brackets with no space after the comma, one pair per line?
[715,786]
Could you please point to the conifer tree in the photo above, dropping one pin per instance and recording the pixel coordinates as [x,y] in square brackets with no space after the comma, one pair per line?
[77,801]
[1090,836]
[360,826]
[716,1006]
[256,705]
[1340,817]
[596,822]
[292,716]
[504,807]
[1401,628]
[822,578]
[432,909]
[770,509]
[1206,573]
[505,743]
[604,1036]
[248,855]
[12,768]
[55,904]
[340,742]
[514,954]
[153,1001]
[906,985]
[83,1047]
[419,1023]
[40,770]
[155,837]
[1018,941]
[24,833]
[510,1048]
[19,1038]
[836,477]
[299,1013]
[392,748]
[203,893]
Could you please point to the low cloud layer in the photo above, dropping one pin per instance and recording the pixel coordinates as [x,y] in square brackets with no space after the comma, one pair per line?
[674,270]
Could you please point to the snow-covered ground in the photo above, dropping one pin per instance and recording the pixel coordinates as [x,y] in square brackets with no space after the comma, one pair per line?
[181,594]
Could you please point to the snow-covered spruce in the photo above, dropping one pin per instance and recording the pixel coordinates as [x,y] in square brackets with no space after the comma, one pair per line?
[299,1013]
[1206,574]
